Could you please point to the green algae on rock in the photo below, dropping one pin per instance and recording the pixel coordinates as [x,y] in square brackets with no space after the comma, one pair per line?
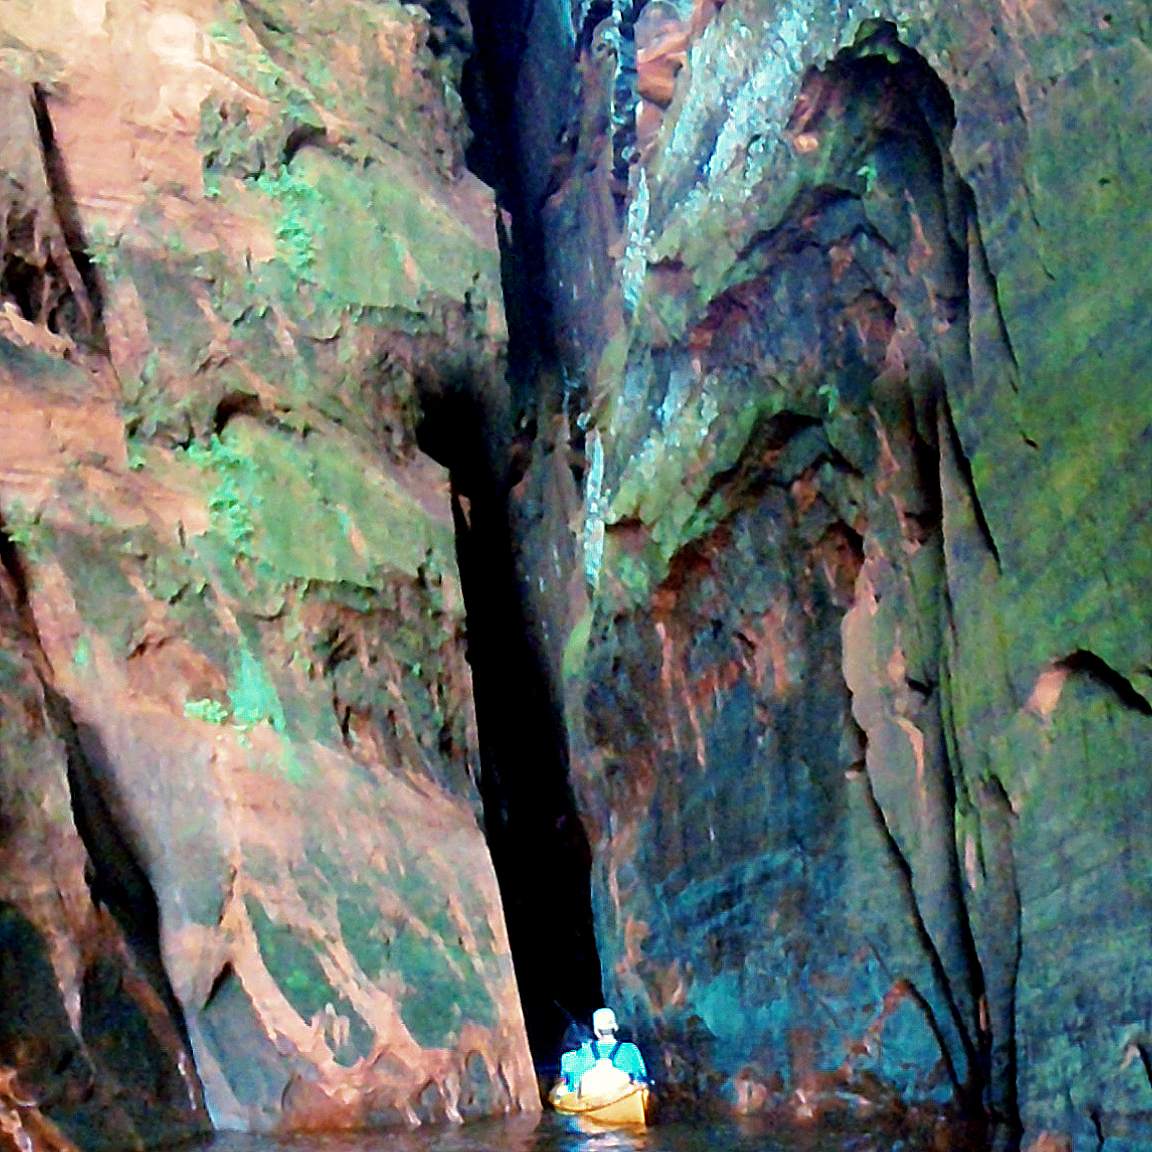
[235,574]
[828,648]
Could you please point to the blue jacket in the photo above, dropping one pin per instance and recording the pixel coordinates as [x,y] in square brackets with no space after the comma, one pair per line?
[623,1055]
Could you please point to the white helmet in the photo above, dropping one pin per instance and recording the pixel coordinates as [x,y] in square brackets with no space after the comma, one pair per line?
[603,1021]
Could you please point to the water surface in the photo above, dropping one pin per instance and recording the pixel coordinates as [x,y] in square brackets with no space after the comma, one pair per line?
[552,1133]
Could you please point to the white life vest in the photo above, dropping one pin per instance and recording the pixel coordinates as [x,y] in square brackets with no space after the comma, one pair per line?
[603,1079]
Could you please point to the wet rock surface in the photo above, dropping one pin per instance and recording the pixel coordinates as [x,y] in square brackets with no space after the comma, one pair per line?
[808,531]
[859,697]
[244,882]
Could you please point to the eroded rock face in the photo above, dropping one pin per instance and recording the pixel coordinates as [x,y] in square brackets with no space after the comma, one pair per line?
[243,880]
[859,697]
[849,619]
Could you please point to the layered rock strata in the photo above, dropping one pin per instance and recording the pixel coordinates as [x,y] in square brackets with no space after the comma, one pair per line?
[833,540]
[243,879]
[858,680]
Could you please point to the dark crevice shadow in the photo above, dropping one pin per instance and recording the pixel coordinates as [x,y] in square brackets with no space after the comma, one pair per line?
[537,841]
[116,878]
[964,467]
[13,565]
[90,301]
[1088,664]
[484,437]
[1002,950]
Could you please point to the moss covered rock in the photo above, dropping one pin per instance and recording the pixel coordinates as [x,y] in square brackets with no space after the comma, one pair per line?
[866,524]
[233,571]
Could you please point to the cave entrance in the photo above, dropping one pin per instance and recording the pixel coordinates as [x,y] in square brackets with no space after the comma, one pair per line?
[482,431]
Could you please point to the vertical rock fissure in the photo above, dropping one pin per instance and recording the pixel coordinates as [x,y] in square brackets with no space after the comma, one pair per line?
[81,302]
[486,436]
[113,1016]
[940,975]
[116,878]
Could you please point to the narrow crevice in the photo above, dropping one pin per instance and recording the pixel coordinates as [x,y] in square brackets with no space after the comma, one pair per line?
[484,433]
[86,296]
[500,157]
[976,1040]
[16,575]
[968,1092]
[537,842]
[1097,1125]
[116,878]
[917,997]
[964,466]
[996,957]
[1002,945]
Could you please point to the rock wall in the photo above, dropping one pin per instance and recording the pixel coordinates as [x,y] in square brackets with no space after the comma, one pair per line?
[243,882]
[832,527]
[853,303]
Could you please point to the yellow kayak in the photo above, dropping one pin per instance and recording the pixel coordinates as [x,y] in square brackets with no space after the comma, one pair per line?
[619,1109]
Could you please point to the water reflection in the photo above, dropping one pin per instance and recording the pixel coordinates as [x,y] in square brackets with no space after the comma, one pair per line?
[551,1133]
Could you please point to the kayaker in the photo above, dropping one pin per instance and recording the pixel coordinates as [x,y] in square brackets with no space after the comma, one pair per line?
[602,1051]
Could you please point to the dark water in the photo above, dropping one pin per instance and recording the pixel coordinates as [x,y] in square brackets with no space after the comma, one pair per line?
[551,1133]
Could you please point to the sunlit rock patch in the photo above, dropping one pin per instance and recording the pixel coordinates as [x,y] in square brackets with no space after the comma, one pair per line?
[234,673]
